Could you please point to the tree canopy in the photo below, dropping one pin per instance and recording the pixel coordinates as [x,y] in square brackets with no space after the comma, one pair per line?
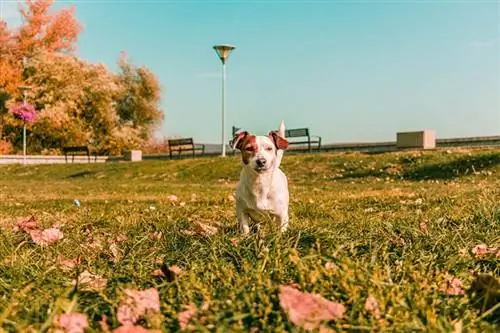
[77,102]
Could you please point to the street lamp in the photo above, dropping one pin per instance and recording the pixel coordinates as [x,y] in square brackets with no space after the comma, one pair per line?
[223,52]
[24,90]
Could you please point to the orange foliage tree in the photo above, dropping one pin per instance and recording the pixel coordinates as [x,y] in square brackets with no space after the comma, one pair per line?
[77,102]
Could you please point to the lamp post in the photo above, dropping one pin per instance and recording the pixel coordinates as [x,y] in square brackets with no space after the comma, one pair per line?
[223,51]
[24,90]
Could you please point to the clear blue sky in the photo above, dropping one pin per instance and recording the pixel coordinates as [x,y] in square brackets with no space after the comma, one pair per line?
[349,70]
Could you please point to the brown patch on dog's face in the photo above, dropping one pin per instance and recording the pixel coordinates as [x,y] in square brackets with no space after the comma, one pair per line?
[248,148]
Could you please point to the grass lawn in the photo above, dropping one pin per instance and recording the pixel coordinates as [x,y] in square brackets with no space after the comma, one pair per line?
[399,229]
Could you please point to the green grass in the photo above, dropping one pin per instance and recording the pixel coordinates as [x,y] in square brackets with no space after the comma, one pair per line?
[390,225]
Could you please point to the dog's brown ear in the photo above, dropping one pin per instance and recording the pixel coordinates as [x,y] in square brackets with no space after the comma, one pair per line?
[279,142]
[238,140]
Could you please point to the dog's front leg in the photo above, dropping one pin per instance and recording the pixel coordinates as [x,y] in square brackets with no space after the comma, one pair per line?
[283,218]
[243,219]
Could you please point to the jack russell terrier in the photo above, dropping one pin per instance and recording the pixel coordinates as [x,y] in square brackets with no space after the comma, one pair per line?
[263,188]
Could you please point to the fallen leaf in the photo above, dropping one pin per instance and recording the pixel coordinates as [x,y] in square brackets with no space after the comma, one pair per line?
[172,198]
[201,229]
[67,263]
[115,252]
[185,316]
[372,306]
[330,265]
[46,237]
[308,310]
[158,273]
[87,280]
[235,241]
[175,269]
[71,322]
[136,304]
[27,225]
[482,250]
[452,286]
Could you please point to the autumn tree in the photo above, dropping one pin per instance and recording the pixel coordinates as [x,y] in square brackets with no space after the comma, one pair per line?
[139,99]
[45,31]
[78,102]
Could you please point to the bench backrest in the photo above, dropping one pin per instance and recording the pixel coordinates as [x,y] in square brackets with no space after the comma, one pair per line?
[76,149]
[296,132]
[180,142]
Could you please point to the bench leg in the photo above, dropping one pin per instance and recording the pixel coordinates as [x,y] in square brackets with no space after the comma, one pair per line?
[66,158]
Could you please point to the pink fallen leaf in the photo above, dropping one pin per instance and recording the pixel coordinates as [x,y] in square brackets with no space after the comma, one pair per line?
[185,316]
[480,250]
[235,241]
[172,198]
[330,266]
[308,310]
[27,225]
[175,269]
[71,322]
[134,329]
[158,273]
[136,304]
[452,286]
[371,305]
[46,237]
[67,263]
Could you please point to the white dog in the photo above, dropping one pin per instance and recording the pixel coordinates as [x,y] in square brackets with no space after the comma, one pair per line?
[263,187]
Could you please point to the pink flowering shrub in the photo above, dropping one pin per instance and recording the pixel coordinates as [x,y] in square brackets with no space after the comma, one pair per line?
[25,112]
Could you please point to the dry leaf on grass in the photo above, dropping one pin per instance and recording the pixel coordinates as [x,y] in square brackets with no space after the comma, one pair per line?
[27,225]
[482,250]
[136,304]
[372,306]
[452,286]
[67,264]
[71,322]
[89,281]
[185,316]
[172,198]
[46,237]
[306,310]
[201,229]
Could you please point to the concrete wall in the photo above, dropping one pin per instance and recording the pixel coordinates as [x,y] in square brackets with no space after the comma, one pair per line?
[419,139]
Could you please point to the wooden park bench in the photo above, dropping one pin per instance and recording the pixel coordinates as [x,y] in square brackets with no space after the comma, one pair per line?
[76,150]
[185,144]
[303,133]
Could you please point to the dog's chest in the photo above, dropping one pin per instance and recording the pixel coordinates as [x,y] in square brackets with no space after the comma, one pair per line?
[260,197]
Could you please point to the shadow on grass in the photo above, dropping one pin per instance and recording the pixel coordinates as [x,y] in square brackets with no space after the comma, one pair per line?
[81,174]
[455,168]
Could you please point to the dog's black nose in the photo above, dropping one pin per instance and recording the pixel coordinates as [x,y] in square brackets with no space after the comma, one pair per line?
[260,162]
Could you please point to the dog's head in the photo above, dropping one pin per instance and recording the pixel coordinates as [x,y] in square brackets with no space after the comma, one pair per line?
[259,152]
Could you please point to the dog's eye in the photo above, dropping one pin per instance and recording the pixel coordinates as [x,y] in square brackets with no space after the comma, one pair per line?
[269,148]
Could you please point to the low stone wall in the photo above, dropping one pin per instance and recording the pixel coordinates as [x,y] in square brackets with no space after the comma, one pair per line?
[54,159]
